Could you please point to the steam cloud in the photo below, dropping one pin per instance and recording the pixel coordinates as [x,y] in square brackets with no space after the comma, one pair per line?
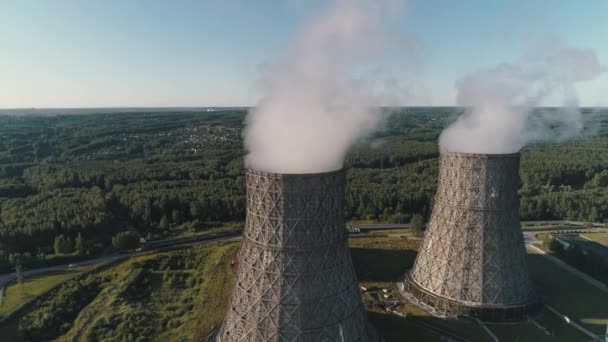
[312,108]
[501,101]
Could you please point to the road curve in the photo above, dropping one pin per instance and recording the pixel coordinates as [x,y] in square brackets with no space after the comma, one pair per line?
[8,277]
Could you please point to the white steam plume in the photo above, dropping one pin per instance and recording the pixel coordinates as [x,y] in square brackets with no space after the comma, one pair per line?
[312,108]
[500,102]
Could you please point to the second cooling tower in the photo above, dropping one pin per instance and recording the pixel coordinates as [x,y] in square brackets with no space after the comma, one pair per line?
[295,280]
[473,259]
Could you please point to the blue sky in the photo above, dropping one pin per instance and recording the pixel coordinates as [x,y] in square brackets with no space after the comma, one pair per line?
[116,53]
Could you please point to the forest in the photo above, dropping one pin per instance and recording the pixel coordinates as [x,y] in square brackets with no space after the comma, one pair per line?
[84,179]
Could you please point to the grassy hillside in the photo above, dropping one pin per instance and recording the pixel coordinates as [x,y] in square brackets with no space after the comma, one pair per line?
[182,295]
[15,295]
[170,296]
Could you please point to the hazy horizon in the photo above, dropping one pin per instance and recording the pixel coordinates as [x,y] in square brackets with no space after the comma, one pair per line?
[70,54]
[107,110]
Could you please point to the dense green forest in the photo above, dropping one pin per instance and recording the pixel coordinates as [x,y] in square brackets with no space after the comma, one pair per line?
[90,177]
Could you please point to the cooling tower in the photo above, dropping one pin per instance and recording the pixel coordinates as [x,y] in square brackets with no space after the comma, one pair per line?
[294,276]
[473,258]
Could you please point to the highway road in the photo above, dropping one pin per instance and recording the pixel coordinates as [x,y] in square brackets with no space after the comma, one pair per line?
[8,277]
[570,223]
[381,226]
[530,235]
[528,238]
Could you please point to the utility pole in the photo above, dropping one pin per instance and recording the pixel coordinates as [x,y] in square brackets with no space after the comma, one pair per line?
[19,278]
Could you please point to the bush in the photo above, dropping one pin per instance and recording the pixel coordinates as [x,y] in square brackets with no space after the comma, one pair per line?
[417,225]
[125,240]
[63,245]
[55,314]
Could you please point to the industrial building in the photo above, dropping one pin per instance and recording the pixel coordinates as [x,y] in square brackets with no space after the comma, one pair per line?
[472,261]
[295,279]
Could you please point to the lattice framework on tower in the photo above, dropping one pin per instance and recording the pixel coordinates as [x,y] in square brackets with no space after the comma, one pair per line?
[294,277]
[473,259]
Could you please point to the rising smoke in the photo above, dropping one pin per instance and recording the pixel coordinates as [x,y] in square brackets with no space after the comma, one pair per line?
[312,108]
[501,102]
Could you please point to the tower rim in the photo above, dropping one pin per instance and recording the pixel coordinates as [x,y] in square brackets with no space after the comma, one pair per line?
[258,172]
[481,155]
[485,312]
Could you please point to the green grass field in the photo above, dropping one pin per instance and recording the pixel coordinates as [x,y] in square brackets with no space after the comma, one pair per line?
[15,295]
[601,238]
[153,293]
[175,309]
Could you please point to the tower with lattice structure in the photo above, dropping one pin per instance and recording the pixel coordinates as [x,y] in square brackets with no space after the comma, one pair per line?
[473,259]
[295,279]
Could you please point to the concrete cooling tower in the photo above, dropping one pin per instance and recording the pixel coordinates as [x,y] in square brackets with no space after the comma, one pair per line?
[473,259]
[295,280]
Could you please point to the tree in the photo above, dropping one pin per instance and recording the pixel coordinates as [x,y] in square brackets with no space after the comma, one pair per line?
[68,247]
[19,278]
[195,210]
[59,244]
[164,222]
[176,216]
[417,224]
[79,245]
[63,245]
[125,240]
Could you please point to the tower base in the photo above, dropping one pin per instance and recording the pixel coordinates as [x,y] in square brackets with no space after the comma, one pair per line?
[446,307]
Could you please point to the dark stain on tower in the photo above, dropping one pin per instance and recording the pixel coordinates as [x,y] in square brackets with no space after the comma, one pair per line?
[473,258]
[294,275]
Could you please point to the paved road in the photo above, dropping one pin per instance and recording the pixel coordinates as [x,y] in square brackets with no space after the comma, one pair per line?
[530,235]
[380,226]
[8,277]
[566,222]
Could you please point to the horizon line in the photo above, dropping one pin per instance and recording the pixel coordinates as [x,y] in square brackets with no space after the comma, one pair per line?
[241,107]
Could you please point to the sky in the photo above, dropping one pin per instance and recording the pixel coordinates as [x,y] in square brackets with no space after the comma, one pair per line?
[136,53]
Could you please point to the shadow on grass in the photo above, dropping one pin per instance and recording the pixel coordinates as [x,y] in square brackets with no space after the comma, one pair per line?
[382,265]
[393,328]
[569,294]
[9,330]
[428,328]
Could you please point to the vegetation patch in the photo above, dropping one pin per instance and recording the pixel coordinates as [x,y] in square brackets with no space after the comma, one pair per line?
[15,295]
[182,295]
[178,295]
[54,314]
[86,178]
[601,238]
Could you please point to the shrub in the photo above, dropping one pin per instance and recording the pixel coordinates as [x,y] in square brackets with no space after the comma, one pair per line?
[125,240]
